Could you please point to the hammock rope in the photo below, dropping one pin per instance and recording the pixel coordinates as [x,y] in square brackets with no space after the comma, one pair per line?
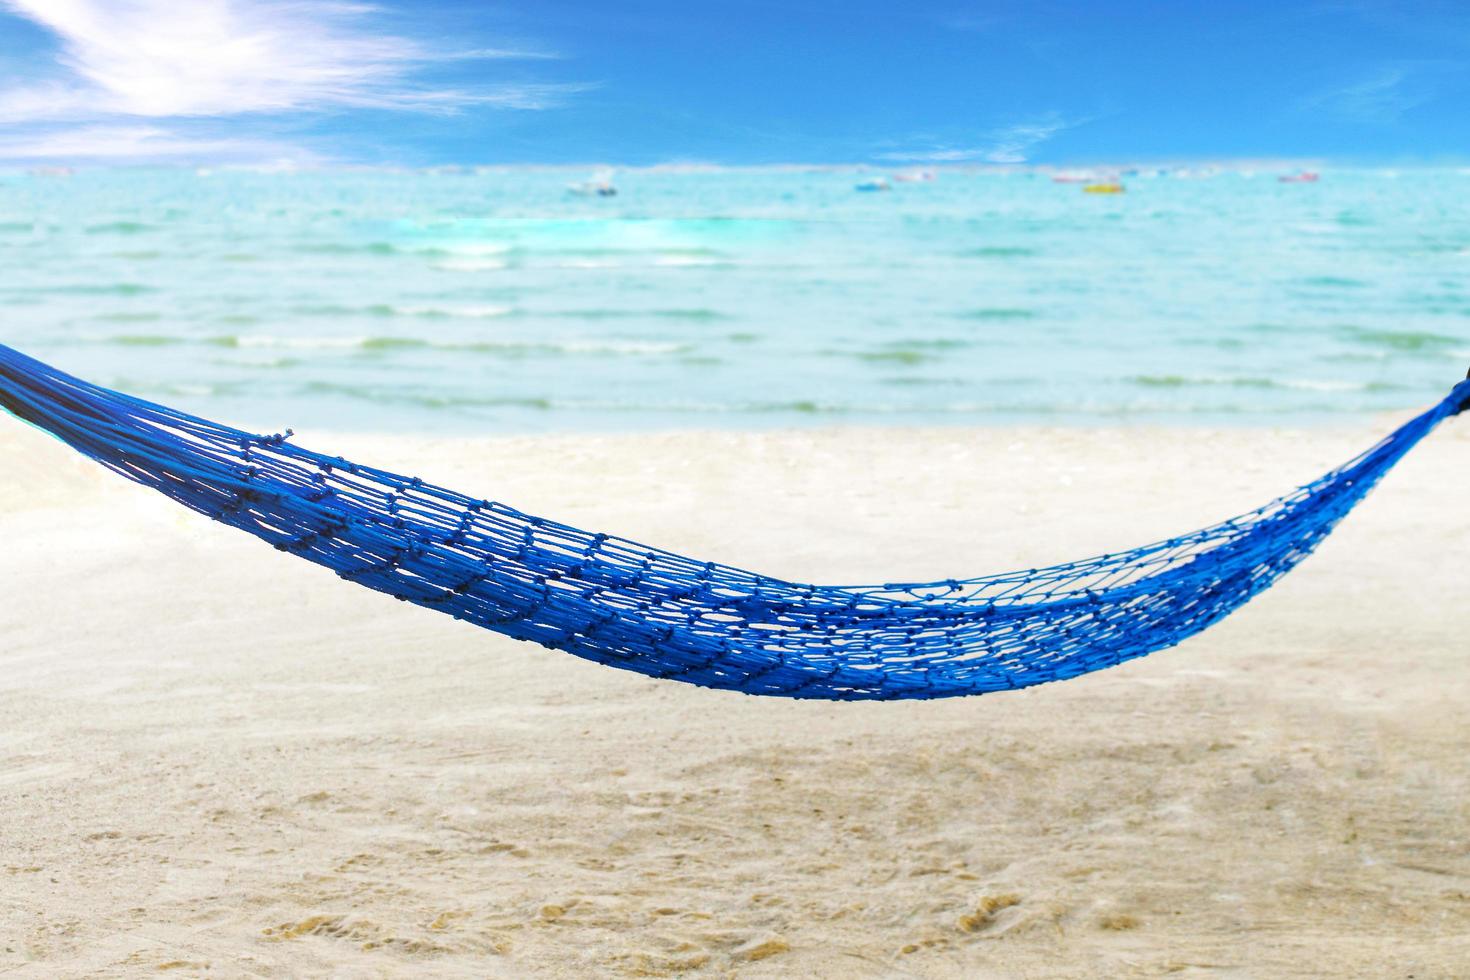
[627,605]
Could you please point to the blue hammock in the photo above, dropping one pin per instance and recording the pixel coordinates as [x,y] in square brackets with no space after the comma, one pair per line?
[627,605]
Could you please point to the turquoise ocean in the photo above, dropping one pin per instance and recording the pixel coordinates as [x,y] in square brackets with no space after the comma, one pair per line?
[496,301]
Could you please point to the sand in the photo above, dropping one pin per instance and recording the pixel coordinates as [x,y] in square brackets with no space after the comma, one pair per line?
[217,759]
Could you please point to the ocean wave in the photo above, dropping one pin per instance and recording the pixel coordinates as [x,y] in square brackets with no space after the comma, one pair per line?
[139,340]
[347,248]
[464,312]
[483,256]
[84,289]
[119,228]
[1262,383]
[997,252]
[1434,246]
[586,264]
[473,249]
[502,347]
[123,316]
[997,313]
[434,401]
[420,399]
[906,352]
[470,265]
[1407,341]
[931,343]
[177,389]
[549,403]
[434,311]
[429,311]
[517,347]
[920,381]
[689,261]
[252,341]
[798,407]
[624,250]
[1333,282]
[441,250]
[897,356]
[700,313]
[510,348]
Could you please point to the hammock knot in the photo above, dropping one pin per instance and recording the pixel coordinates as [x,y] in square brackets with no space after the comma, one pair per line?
[1461,396]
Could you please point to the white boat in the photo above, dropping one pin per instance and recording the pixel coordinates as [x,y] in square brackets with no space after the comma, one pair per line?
[593,188]
[600,185]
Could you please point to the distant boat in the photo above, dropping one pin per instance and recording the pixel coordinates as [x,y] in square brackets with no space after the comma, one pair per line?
[1071,178]
[593,188]
[1108,187]
[1301,177]
[915,177]
[51,172]
[876,184]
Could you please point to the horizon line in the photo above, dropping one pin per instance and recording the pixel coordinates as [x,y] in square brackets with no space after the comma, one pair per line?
[287,165]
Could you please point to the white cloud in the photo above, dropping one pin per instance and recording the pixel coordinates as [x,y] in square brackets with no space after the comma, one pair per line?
[181,58]
[142,143]
[1011,144]
[970,20]
[1383,95]
[1008,144]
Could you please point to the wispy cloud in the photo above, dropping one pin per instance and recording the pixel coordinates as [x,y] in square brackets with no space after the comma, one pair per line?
[139,143]
[969,20]
[1384,94]
[1010,144]
[187,59]
[224,57]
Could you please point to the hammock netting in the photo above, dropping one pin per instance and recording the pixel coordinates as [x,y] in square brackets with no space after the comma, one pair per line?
[627,605]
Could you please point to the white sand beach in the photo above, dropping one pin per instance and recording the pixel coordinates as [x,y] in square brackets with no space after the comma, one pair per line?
[219,760]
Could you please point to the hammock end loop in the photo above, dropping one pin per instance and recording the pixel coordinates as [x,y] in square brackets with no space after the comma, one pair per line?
[1463,405]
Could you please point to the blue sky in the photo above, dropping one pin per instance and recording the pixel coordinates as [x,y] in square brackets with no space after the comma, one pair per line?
[763,81]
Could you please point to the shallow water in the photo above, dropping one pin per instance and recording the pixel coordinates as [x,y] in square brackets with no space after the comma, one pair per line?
[497,301]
